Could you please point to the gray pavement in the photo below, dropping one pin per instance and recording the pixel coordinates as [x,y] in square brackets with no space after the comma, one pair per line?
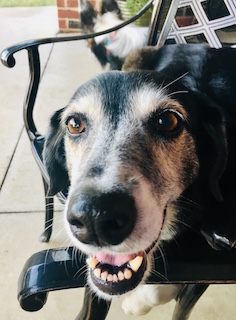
[21,197]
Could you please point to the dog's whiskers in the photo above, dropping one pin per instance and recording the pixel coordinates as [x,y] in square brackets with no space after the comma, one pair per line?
[190,202]
[52,243]
[64,244]
[172,82]
[80,272]
[78,256]
[177,92]
[160,275]
[52,223]
[60,206]
[162,253]
[60,198]
[186,225]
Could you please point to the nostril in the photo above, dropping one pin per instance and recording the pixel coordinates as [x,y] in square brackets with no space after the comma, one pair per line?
[81,221]
[76,222]
[115,225]
[83,230]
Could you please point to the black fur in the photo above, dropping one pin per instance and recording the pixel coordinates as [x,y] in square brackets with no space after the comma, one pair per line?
[105,57]
[54,156]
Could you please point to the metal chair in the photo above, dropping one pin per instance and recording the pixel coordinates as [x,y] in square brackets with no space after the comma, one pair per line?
[192,267]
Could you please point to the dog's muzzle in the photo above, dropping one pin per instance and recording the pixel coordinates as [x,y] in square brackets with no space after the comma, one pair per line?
[103,221]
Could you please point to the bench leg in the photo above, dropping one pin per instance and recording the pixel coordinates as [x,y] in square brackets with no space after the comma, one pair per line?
[49,210]
[186,300]
[94,308]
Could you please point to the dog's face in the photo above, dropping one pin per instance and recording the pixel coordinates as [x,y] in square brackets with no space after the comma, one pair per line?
[131,150]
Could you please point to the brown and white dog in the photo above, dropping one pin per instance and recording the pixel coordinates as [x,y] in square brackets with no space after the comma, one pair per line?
[147,155]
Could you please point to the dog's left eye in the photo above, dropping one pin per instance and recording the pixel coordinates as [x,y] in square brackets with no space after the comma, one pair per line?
[168,121]
[75,125]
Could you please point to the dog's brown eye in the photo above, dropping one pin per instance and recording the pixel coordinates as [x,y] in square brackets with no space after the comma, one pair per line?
[75,126]
[168,121]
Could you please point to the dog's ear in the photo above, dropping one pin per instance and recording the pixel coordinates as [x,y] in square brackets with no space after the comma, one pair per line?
[54,156]
[212,142]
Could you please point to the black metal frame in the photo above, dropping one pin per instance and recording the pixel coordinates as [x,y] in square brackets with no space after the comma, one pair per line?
[43,272]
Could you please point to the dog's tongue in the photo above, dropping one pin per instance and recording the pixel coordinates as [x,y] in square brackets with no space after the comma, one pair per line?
[117,260]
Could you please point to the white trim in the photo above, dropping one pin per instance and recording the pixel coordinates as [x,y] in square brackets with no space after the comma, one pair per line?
[204,25]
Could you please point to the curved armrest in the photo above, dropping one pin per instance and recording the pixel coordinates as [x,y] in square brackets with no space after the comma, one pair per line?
[49,270]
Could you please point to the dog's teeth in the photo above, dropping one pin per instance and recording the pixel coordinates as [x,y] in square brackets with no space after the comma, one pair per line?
[97,272]
[127,274]
[120,276]
[110,277]
[115,278]
[92,262]
[136,263]
[104,275]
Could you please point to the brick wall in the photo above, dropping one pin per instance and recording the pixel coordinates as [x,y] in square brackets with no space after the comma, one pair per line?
[68,15]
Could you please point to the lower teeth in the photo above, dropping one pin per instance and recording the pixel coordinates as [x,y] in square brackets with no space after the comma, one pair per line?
[126,274]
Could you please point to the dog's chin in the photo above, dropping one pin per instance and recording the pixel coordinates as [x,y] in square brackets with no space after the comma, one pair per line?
[110,275]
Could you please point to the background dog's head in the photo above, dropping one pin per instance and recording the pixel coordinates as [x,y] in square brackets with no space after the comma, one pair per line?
[131,146]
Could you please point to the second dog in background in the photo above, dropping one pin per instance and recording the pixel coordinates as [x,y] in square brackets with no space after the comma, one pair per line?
[112,48]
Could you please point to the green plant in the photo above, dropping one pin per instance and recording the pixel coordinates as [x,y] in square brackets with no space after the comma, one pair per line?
[134,6]
[26,3]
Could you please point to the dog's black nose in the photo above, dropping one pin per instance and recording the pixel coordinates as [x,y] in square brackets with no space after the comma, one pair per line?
[107,219]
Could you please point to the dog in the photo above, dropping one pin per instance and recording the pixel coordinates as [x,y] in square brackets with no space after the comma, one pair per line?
[112,48]
[117,44]
[148,154]
[89,13]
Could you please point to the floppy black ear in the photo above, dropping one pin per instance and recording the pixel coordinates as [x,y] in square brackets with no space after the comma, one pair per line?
[212,143]
[54,156]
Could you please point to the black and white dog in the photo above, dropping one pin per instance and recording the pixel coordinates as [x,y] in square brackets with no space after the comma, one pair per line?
[146,155]
[117,44]
[111,48]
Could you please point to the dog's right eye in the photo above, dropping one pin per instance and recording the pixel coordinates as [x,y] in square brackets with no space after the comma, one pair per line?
[166,123]
[75,125]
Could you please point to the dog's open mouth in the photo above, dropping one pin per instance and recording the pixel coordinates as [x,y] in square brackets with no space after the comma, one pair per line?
[120,273]
[116,275]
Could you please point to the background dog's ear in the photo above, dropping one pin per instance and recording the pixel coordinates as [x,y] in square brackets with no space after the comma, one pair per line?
[54,156]
[212,142]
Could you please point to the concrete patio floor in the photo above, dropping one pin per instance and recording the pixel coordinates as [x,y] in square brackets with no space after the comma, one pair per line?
[65,67]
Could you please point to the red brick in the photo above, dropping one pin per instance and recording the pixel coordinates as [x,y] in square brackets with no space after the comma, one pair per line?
[73,14]
[62,13]
[60,3]
[72,4]
[62,23]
